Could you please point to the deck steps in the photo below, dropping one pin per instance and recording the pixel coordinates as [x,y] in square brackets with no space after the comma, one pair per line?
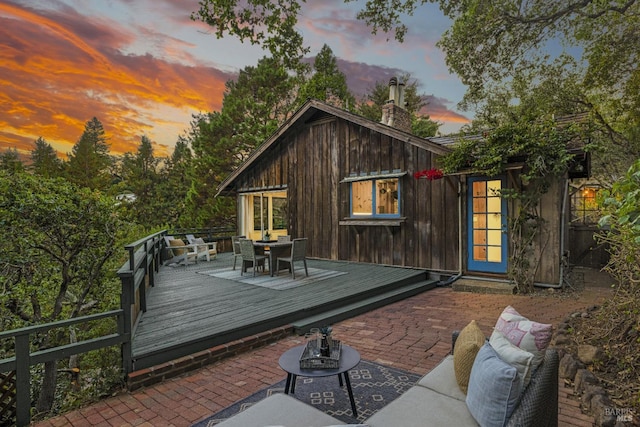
[364,305]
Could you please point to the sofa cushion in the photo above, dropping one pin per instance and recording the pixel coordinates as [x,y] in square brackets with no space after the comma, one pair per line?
[420,407]
[514,356]
[280,410]
[494,388]
[469,342]
[530,336]
[442,379]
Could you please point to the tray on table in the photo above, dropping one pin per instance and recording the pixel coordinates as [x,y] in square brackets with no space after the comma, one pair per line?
[312,359]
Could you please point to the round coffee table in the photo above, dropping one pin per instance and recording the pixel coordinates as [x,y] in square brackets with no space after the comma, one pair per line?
[290,363]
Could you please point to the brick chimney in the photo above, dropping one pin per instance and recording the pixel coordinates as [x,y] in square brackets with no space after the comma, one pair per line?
[393,111]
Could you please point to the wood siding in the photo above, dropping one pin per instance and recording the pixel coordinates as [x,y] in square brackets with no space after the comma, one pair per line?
[311,159]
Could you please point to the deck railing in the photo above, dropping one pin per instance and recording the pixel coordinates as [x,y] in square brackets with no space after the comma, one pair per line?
[24,358]
[137,274]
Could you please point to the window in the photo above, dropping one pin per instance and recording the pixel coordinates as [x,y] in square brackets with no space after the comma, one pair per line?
[584,205]
[375,198]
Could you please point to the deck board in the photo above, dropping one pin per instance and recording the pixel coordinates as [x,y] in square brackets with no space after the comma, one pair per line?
[186,307]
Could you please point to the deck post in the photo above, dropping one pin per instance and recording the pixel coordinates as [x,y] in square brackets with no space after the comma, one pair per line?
[23,380]
[125,324]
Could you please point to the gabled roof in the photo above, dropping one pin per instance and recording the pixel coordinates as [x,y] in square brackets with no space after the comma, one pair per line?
[311,108]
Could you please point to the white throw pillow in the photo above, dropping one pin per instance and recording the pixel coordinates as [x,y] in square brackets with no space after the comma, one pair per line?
[514,356]
[530,336]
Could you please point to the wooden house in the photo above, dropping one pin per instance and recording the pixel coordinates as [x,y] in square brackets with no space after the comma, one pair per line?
[348,185]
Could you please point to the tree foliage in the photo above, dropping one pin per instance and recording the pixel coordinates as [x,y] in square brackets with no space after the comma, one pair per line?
[89,160]
[254,21]
[254,106]
[10,161]
[45,161]
[327,83]
[59,262]
[371,106]
[139,172]
[542,148]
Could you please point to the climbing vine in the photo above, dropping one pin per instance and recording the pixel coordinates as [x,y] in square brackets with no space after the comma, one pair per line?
[541,148]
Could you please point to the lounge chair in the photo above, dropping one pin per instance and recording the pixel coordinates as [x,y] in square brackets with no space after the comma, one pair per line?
[178,252]
[206,250]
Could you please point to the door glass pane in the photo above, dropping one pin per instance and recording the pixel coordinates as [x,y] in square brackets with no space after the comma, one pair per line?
[495,221]
[479,189]
[479,221]
[493,188]
[480,236]
[479,253]
[494,204]
[279,213]
[257,218]
[494,237]
[494,254]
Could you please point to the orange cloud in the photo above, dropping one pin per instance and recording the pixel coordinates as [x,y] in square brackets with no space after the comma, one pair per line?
[58,70]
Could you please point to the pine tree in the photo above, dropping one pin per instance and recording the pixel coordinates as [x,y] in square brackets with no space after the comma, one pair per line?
[45,161]
[328,83]
[140,176]
[371,106]
[10,161]
[175,183]
[89,160]
[253,108]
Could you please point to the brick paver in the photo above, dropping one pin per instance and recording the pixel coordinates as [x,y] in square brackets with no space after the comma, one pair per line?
[413,334]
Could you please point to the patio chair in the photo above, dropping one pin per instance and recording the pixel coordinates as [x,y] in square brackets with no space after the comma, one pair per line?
[235,240]
[250,257]
[178,252]
[298,253]
[286,238]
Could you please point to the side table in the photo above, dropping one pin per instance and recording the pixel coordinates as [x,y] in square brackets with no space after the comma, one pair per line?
[290,363]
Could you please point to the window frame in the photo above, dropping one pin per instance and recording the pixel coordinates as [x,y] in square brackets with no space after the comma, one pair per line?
[374,178]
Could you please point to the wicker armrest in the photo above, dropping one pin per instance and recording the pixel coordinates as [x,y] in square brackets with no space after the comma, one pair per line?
[454,337]
[539,403]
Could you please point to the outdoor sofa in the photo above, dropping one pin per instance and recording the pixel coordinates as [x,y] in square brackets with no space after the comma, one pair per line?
[436,400]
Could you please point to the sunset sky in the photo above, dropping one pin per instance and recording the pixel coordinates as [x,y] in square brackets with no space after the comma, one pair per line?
[144,67]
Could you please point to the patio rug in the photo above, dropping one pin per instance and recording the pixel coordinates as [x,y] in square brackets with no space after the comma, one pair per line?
[374,386]
[281,282]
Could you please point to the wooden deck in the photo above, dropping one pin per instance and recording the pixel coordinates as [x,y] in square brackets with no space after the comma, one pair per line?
[190,310]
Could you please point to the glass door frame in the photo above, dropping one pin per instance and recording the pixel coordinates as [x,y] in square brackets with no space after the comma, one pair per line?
[487,266]
[247,214]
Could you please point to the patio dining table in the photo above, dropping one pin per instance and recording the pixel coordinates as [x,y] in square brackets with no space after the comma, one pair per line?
[276,249]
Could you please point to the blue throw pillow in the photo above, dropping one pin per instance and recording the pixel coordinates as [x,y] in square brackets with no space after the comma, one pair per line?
[494,389]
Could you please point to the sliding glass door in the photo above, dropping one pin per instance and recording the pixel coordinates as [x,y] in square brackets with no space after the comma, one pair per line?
[263,214]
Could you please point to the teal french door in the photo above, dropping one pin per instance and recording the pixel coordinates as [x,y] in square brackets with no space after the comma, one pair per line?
[487,225]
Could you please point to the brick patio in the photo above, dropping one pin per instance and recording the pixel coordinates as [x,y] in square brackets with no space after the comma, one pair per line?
[413,334]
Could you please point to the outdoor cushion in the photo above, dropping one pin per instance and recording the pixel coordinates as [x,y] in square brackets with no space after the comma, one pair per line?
[280,410]
[419,407]
[177,242]
[531,336]
[442,380]
[469,342]
[514,356]
[494,388]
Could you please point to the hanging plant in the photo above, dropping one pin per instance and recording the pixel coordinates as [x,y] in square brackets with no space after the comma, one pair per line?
[431,174]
